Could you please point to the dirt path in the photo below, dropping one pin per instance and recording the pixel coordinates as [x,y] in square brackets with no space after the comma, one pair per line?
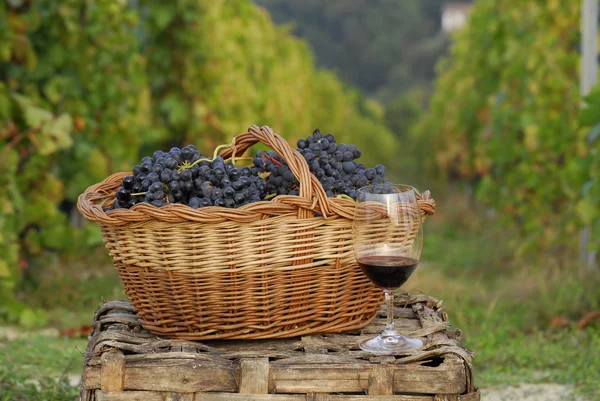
[530,392]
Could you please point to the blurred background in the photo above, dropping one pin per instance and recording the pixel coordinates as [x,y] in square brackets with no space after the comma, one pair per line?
[482,102]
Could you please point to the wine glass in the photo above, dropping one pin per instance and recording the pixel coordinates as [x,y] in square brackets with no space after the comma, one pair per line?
[388,240]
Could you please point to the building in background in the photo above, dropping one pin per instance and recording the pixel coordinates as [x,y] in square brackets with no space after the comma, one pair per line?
[454,16]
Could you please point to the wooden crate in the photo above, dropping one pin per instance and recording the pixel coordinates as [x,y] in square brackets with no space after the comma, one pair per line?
[126,363]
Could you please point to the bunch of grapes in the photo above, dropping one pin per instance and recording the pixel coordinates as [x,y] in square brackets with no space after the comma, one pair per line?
[335,165]
[187,177]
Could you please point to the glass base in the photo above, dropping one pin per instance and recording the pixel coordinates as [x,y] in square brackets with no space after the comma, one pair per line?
[394,344]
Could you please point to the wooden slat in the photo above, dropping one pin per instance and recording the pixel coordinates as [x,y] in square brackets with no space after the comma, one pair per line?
[381,398]
[185,377]
[180,397]
[443,379]
[112,368]
[448,378]
[320,378]
[317,397]
[202,396]
[254,376]
[248,397]
[381,380]
[142,396]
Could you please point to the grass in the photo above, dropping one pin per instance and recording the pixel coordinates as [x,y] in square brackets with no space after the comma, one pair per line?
[36,367]
[504,309]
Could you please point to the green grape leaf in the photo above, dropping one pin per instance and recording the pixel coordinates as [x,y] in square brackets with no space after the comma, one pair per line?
[36,116]
[60,130]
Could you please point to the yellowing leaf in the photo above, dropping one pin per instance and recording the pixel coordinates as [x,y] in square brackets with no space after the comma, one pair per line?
[36,116]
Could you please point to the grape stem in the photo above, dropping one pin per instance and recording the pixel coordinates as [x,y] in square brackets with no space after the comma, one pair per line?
[139,193]
[216,152]
[234,159]
[264,175]
[344,196]
[268,197]
[188,166]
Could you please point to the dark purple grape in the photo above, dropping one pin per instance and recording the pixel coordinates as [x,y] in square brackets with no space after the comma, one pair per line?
[174,185]
[186,175]
[156,186]
[123,195]
[349,167]
[188,186]
[153,177]
[238,198]
[171,163]
[229,192]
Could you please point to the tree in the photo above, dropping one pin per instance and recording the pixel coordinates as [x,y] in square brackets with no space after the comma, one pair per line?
[384,47]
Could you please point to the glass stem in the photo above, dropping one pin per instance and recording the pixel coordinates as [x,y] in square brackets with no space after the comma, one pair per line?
[390,327]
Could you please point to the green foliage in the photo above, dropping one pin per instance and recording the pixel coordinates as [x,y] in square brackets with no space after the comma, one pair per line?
[88,87]
[384,47]
[69,88]
[505,114]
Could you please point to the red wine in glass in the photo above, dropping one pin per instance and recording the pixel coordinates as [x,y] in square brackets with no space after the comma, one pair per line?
[388,272]
[388,241]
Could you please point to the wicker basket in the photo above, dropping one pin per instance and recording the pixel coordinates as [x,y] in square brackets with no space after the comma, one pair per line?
[270,269]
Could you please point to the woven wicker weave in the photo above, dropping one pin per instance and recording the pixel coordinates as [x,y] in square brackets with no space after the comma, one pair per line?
[270,269]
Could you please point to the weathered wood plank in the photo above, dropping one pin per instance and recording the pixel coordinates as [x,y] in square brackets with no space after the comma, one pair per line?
[154,396]
[183,378]
[349,378]
[256,345]
[180,397]
[317,397]
[324,359]
[254,376]
[112,371]
[475,396]
[381,380]
[248,397]
[142,396]
[430,380]
[381,398]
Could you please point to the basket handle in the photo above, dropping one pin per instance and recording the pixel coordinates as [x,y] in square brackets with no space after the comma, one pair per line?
[310,187]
